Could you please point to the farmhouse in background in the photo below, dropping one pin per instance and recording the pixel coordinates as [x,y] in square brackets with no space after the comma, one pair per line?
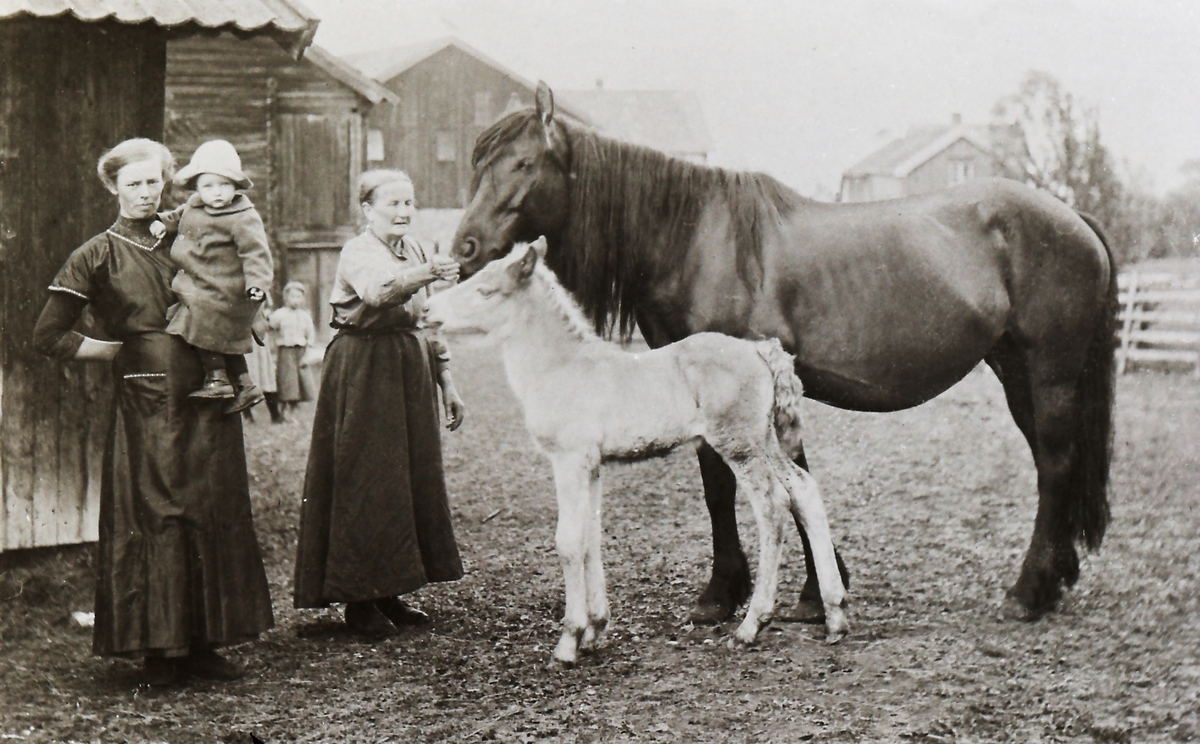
[671,121]
[76,78]
[298,126]
[924,160]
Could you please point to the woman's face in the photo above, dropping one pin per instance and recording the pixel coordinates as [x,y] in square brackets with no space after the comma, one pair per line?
[139,188]
[390,214]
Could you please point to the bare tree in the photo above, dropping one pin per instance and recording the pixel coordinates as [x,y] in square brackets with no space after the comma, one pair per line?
[1045,138]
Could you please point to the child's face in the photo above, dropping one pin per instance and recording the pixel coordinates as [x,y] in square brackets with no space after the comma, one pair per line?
[294,299]
[215,191]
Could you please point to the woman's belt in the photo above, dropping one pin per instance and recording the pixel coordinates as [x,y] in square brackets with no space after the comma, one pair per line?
[375,330]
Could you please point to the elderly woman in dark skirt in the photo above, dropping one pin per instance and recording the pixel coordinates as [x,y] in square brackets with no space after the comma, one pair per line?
[179,569]
[375,522]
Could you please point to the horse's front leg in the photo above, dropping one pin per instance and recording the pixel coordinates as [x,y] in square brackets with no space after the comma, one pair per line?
[597,594]
[730,584]
[571,481]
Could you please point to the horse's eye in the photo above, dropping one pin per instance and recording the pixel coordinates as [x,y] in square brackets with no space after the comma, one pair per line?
[521,165]
[488,291]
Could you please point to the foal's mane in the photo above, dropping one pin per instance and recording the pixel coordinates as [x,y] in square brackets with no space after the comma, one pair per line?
[633,214]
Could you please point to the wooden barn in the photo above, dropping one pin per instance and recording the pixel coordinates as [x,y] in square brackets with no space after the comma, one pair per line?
[670,121]
[926,159]
[75,79]
[298,126]
[449,93]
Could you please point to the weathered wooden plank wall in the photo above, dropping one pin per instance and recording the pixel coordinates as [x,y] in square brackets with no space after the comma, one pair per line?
[58,113]
[451,94]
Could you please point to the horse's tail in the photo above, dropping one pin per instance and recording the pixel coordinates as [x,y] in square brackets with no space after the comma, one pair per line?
[789,395]
[1088,491]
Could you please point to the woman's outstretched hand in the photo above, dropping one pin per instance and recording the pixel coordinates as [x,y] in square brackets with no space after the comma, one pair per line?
[444,268]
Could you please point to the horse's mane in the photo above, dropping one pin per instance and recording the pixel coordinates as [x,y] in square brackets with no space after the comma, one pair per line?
[633,213]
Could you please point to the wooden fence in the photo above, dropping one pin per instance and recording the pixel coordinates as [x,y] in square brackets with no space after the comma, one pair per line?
[1159,319]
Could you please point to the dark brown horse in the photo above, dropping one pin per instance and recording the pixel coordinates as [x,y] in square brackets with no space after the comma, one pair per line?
[884,304]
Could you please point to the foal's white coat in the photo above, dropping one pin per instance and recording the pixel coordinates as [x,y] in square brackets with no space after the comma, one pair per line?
[587,401]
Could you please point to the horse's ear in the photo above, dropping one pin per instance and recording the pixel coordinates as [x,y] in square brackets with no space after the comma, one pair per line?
[544,99]
[540,246]
[523,269]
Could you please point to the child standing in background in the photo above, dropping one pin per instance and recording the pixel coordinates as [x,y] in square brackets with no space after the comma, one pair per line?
[225,270]
[294,336]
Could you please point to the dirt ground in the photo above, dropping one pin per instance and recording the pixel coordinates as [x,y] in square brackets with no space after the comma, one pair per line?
[932,509]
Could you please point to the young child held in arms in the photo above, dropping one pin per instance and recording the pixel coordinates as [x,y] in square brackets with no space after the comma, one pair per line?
[295,338]
[225,271]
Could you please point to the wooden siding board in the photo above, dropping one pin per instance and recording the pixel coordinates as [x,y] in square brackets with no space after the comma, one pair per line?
[438,94]
[60,113]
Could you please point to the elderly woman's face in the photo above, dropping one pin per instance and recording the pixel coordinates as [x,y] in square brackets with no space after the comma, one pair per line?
[139,188]
[390,213]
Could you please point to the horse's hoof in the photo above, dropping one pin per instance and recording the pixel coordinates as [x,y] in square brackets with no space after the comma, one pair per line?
[710,614]
[1013,609]
[807,611]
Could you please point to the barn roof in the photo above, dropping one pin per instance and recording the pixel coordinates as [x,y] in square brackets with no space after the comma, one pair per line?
[903,155]
[287,21]
[349,75]
[385,64]
[668,120]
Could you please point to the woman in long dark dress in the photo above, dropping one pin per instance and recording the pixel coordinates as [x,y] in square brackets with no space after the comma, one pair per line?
[179,568]
[375,522]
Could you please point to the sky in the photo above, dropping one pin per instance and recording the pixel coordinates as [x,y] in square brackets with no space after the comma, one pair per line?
[803,90]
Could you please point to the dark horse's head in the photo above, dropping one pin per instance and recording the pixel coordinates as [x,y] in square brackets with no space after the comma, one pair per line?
[520,186]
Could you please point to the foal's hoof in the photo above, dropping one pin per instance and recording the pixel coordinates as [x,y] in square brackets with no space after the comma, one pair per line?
[807,611]
[560,665]
[710,614]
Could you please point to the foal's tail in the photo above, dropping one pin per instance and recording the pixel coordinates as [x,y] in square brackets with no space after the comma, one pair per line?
[1088,495]
[789,395]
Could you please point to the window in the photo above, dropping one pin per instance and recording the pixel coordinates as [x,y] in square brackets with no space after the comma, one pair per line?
[374,144]
[483,108]
[447,149]
[961,170]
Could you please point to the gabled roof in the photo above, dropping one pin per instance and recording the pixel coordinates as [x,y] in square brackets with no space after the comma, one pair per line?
[350,76]
[902,156]
[668,120]
[287,21]
[385,64]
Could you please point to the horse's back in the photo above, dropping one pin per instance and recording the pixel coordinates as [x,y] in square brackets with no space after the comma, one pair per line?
[887,304]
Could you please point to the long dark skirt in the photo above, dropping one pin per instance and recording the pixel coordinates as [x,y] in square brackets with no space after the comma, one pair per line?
[375,521]
[179,563]
[293,381]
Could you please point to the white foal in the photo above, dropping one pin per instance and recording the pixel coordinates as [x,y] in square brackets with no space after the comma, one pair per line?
[587,401]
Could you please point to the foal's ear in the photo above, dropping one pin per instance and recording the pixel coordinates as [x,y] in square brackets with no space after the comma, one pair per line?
[523,269]
[544,99]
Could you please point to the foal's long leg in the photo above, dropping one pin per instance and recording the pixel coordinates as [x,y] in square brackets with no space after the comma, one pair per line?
[597,595]
[809,608]
[572,474]
[768,499]
[808,510]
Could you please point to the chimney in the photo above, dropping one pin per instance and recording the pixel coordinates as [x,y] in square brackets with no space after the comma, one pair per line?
[599,83]
[956,119]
